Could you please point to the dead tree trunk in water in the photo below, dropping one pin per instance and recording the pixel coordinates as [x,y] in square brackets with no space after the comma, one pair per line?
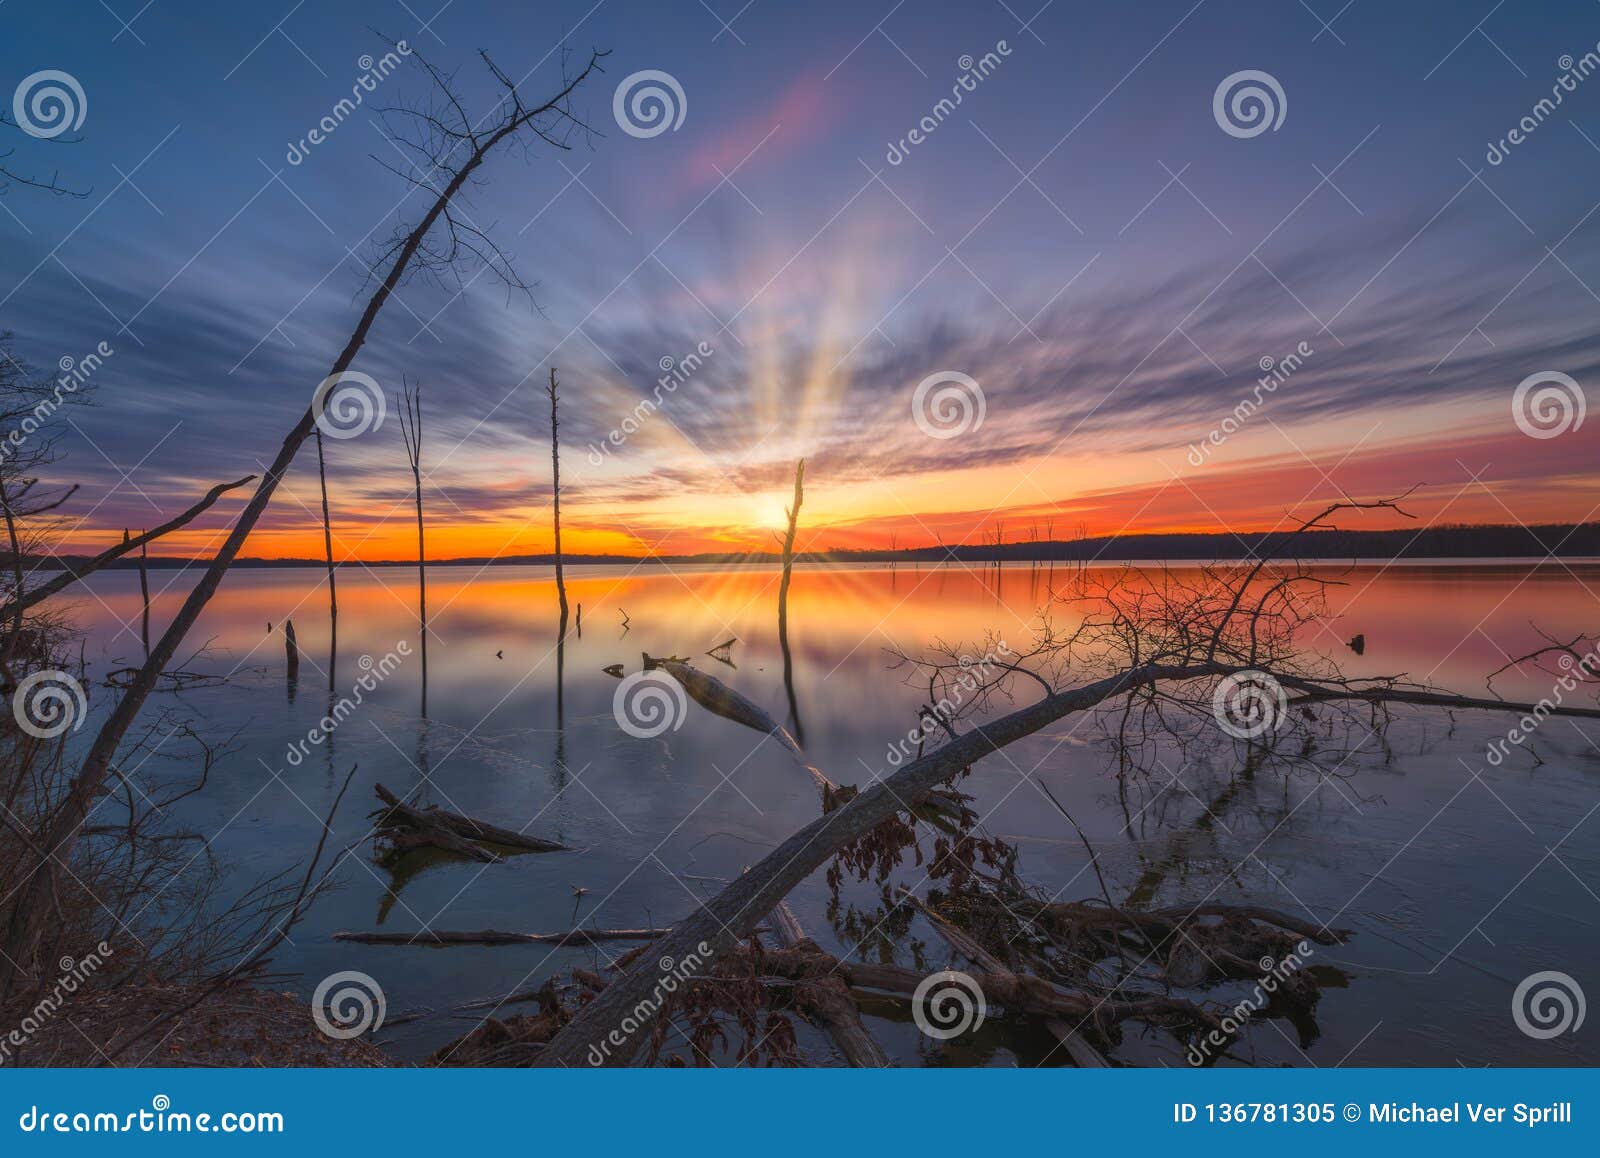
[34,897]
[327,546]
[411,432]
[144,596]
[783,599]
[291,659]
[555,491]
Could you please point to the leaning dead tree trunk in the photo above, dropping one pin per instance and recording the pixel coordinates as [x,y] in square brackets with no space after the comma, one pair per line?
[555,492]
[71,575]
[35,894]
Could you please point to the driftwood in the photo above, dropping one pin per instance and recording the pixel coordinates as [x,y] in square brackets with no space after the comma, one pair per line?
[1082,915]
[70,574]
[407,827]
[1016,992]
[828,999]
[500,937]
[1081,1052]
[721,700]
[718,698]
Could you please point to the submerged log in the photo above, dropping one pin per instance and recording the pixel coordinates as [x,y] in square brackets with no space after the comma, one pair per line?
[828,999]
[500,937]
[433,821]
[1081,1052]
[1016,992]
[718,698]
[1080,914]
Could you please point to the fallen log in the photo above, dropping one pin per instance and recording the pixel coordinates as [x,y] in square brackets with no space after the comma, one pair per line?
[1081,914]
[466,828]
[1078,1049]
[718,698]
[500,937]
[1016,992]
[828,999]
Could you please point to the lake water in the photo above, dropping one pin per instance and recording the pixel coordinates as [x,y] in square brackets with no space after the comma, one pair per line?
[1459,878]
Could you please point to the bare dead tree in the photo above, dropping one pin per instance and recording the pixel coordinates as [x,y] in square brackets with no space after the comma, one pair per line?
[411,431]
[73,573]
[32,420]
[9,175]
[793,513]
[453,148]
[327,547]
[144,594]
[555,492]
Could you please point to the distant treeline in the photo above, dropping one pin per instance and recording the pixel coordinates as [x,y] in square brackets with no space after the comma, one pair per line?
[1564,540]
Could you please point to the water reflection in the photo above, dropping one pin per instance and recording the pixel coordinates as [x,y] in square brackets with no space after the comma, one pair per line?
[1404,843]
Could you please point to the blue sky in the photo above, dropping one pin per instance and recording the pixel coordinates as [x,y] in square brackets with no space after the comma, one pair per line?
[1081,237]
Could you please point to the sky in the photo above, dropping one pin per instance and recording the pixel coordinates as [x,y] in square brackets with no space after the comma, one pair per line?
[1088,251]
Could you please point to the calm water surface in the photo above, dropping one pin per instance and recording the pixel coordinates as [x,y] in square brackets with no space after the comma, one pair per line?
[1459,878]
